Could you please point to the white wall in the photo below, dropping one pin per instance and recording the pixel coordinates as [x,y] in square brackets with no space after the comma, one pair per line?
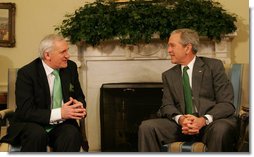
[36,18]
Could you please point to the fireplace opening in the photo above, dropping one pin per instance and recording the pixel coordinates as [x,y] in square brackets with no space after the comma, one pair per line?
[122,108]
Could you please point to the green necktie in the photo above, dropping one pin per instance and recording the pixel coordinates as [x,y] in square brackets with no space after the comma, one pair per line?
[57,95]
[57,90]
[187,91]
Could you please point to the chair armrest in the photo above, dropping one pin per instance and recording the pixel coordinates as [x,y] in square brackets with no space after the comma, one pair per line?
[6,113]
[244,114]
[244,128]
[245,109]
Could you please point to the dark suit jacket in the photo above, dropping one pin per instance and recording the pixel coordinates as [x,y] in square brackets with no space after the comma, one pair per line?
[212,91]
[33,95]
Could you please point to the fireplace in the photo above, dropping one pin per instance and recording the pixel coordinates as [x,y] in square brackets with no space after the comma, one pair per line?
[122,108]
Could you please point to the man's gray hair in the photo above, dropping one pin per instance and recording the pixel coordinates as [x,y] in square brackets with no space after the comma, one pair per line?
[47,43]
[188,36]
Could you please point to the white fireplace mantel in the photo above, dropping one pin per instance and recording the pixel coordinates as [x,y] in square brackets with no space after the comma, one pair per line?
[111,63]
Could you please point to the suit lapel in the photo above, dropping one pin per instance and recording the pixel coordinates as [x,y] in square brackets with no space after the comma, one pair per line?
[179,86]
[44,82]
[197,77]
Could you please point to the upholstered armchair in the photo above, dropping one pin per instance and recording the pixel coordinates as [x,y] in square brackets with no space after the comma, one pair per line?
[6,114]
[239,76]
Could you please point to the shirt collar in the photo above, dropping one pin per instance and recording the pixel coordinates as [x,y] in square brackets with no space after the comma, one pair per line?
[191,64]
[47,68]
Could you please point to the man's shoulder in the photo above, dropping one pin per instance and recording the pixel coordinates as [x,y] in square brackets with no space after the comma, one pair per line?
[208,60]
[172,69]
[32,65]
[211,64]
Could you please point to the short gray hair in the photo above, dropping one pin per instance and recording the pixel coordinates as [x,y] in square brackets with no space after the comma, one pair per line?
[188,36]
[47,43]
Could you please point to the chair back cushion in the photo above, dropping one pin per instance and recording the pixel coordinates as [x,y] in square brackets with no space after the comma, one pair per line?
[11,99]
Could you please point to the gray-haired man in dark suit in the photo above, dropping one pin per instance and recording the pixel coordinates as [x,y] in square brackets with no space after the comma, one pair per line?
[36,123]
[212,120]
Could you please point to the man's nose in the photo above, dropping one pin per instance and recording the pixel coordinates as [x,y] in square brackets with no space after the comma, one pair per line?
[67,55]
[169,50]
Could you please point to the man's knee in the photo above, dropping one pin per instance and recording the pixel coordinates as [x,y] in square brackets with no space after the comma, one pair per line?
[223,127]
[35,131]
[222,131]
[70,132]
[146,125]
[33,138]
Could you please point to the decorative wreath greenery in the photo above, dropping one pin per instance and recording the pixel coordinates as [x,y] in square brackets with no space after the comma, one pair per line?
[136,21]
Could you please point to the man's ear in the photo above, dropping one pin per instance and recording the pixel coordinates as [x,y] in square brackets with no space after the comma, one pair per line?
[188,49]
[46,55]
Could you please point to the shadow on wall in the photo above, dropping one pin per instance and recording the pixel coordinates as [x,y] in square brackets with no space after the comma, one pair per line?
[5,63]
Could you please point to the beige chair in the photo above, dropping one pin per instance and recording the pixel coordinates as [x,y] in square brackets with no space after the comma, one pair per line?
[239,76]
[11,106]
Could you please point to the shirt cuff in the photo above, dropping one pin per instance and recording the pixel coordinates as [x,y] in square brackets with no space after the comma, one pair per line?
[55,116]
[176,118]
[209,118]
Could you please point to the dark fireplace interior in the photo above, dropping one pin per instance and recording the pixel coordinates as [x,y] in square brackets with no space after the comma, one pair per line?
[122,108]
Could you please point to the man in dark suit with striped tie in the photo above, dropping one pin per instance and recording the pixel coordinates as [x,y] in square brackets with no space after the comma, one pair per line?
[37,123]
[211,116]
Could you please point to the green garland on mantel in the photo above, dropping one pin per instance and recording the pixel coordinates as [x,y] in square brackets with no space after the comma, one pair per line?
[137,21]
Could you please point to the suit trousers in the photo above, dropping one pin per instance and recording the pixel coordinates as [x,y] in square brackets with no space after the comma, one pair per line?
[63,137]
[219,136]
